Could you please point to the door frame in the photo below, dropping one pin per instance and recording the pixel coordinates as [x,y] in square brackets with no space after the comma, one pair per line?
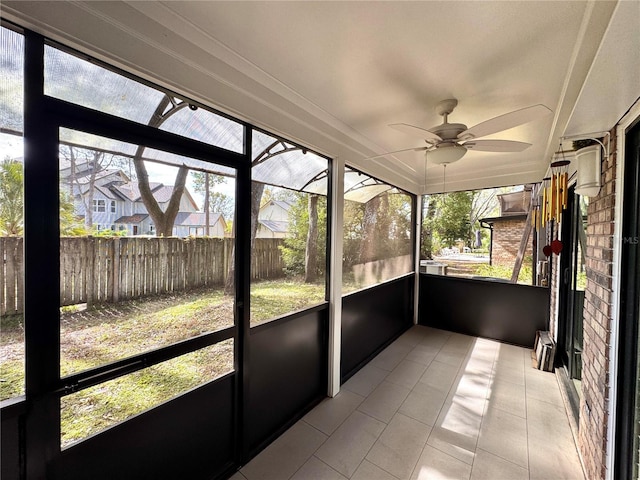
[628,366]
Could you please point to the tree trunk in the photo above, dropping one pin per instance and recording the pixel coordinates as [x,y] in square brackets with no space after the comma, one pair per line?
[162,220]
[369,220]
[427,235]
[311,252]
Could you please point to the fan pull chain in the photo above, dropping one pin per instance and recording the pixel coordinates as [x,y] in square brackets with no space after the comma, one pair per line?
[444,178]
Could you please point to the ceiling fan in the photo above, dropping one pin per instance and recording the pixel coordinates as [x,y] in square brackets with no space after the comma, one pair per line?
[449,142]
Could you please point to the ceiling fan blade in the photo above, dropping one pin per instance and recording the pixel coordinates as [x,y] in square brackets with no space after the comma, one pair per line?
[416,132]
[505,122]
[418,149]
[496,145]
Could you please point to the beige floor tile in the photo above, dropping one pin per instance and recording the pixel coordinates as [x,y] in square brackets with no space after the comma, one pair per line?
[492,415]
[552,451]
[542,386]
[406,374]
[505,373]
[384,401]
[451,357]
[511,354]
[315,469]
[365,380]
[350,443]
[369,471]
[398,448]
[286,454]
[470,385]
[422,354]
[490,467]
[331,412]
[391,356]
[507,396]
[504,435]
[457,428]
[423,403]
[412,337]
[436,465]
[439,375]
[435,339]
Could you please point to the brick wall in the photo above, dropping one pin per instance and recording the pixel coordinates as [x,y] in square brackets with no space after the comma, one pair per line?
[594,402]
[594,405]
[507,235]
[592,435]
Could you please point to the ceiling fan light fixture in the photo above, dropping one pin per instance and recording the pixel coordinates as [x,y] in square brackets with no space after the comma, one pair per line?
[446,153]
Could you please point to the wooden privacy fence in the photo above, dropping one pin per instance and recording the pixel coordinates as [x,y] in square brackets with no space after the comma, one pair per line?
[104,270]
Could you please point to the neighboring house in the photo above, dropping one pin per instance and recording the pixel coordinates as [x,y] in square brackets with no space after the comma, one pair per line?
[194,224]
[134,216]
[508,228]
[117,204]
[273,220]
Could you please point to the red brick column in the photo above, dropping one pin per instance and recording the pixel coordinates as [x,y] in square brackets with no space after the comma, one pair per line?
[594,405]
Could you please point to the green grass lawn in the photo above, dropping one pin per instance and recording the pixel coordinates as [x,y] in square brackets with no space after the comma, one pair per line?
[103,334]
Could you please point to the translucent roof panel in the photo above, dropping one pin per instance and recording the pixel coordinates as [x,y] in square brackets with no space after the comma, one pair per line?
[206,127]
[116,147]
[276,162]
[79,81]
[360,187]
[11,80]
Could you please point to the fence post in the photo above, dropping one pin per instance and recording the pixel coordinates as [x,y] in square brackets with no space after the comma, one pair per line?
[115,266]
[88,285]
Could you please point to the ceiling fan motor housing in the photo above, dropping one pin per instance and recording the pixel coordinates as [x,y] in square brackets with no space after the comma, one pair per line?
[449,131]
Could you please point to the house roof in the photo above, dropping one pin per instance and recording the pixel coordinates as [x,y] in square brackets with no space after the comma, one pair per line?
[105,191]
[504,218]
[132,219]
[197,219]
[162,193]
[276,227]
[279,203]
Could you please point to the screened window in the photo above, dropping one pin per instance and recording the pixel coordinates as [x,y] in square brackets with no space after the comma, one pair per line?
[130,290]
[478,234]
[12,343]
[377,231]
[289,228]
[119,270]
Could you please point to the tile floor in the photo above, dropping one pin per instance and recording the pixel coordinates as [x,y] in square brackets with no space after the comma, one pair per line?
[433,405]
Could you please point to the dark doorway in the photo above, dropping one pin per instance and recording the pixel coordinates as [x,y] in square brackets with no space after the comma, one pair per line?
[627,416]
[572,288]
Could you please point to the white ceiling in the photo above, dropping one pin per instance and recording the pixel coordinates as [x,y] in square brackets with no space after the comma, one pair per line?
[333,75]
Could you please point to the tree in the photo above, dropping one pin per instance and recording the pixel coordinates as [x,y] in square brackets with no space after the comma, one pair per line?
[70,224]
[428,211]
[12,203]
[311,250]
[352,232]
[452,221]
[163,220]
[304,249]
[11,197]
[204,183]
